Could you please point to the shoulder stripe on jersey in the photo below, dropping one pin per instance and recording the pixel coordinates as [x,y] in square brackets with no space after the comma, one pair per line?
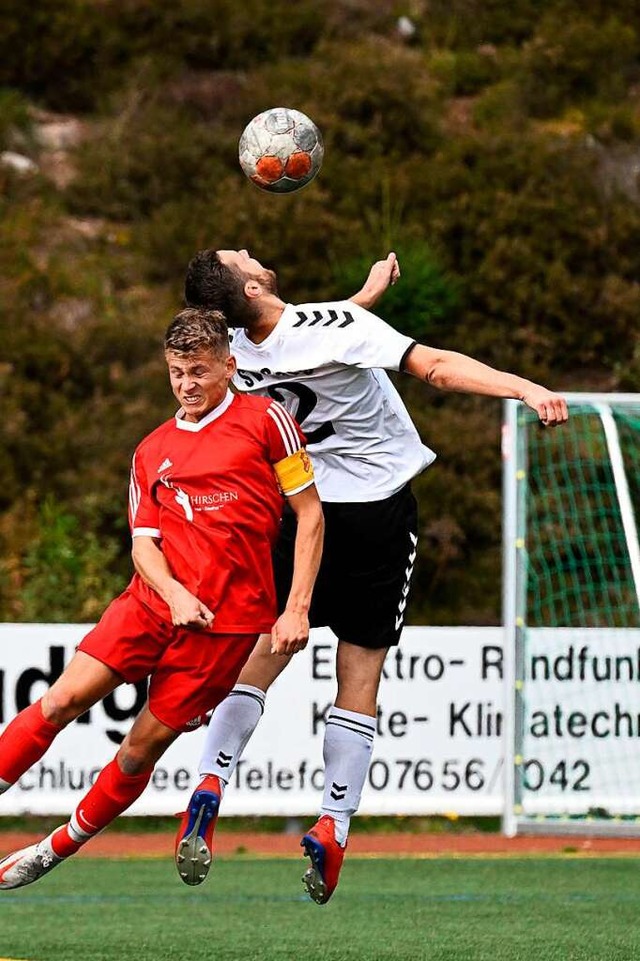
[291,421]
[134,491]
[288,424]
[284,424]
[328,317]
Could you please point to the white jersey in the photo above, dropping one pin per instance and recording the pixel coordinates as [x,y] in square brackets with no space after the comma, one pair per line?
[324,363]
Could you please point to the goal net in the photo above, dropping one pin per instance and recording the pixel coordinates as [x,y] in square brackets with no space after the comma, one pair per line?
[572,618]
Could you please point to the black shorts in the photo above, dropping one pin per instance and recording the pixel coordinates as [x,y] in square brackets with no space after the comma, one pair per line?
[363,585]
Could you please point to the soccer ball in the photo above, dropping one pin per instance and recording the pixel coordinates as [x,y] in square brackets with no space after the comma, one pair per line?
[281,150]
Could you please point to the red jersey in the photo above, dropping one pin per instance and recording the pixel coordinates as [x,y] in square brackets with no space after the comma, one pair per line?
[209,491]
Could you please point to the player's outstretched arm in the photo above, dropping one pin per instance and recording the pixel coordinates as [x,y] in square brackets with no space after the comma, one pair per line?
[449,370]
[151,565]
[383,274]
[291,631]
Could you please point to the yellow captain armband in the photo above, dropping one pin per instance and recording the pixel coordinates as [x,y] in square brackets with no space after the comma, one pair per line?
[294,473]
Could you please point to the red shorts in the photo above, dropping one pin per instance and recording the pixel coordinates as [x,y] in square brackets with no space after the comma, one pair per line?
[191,671]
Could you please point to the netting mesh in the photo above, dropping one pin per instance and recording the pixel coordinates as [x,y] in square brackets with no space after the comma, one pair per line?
[578,566]
[578,615]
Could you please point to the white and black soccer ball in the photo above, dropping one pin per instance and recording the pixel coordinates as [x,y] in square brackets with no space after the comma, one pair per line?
[281,150]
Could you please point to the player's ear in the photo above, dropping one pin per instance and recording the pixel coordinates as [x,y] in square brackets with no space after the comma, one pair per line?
[252,289]
[230,367]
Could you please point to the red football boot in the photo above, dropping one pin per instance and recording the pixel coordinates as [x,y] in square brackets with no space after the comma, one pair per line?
[194,843]
[320,845]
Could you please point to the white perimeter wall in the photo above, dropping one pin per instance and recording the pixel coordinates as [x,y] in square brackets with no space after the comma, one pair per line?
[438,748]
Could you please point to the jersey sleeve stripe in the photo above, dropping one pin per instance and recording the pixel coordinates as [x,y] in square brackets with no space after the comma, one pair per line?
[403,359]
[146,532]
[134,494]
[286,428]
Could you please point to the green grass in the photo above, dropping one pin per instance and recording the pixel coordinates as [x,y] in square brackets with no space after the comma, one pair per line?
[363,824]
[385,910]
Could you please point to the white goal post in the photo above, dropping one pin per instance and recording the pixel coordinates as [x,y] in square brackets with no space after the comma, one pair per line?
[571,610]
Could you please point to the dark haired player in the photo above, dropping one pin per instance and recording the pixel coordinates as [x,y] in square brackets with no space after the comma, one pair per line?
[325,363]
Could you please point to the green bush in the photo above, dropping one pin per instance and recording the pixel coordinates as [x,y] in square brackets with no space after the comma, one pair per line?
[494,152]
[613,125]
[55,51]
[499,108]
[463,24]
[15,122]
[71,54]
[568,62]
[150,154]
[66,569]
[421,304]
[464,73]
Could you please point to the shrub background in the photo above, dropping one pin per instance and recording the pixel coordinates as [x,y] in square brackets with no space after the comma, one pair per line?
[496,150]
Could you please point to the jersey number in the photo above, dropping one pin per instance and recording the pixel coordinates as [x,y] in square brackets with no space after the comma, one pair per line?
[307,401]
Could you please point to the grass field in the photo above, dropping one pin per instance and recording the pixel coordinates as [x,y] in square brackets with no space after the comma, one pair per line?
[396,910]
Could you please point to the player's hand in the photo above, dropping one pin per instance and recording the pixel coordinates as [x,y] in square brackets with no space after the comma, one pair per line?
[383,274]
[290,633]
[551,408]
[188,611]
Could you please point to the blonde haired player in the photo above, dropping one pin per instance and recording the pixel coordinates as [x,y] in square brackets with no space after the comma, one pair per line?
[205,502]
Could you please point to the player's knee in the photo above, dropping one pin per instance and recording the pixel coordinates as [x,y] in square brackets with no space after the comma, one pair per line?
[135,758]
[140,753]
[62,705]
[359,694]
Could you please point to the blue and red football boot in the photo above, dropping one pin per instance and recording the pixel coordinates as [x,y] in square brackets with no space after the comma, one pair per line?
[326,855]
[194,842]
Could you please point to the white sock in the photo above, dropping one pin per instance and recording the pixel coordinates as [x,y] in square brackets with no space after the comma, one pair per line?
[348,743]
[45,848]
[232,724]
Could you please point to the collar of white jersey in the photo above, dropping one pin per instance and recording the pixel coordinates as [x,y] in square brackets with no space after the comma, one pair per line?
[271,336]
[195,426]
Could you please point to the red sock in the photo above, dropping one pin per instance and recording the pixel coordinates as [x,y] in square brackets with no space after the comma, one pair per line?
[112,793]
[24,741]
